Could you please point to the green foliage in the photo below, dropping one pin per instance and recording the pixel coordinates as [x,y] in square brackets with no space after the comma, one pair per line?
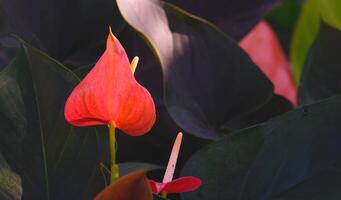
[35,138]
[321,73]
[304,35]
[235,17]
[129,167]
[283,18]
[267,160]
[73,32]
[200,68]
[157,197]
[330,12]
[10,182]
[324,185]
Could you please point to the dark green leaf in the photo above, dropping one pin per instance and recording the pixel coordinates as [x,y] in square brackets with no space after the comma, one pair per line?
[157,197]
[3,23]
[155,147]
[8,49]
[71,31]
[208,79]
[283,19]
[129,167]
[321,74]
[285,15]
[276,106]
[325,185]
[266,160]
[54,159]
[10,182]
[234,17]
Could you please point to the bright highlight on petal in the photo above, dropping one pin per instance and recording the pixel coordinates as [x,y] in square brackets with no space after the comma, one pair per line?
[262,45]
[183,184]
[173,159]
[110,94]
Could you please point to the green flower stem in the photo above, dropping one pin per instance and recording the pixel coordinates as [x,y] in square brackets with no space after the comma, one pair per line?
[112,142]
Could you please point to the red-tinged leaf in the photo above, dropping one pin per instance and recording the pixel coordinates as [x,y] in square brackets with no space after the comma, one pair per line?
[265,50]
[133,186]
[110,93]
[183,184]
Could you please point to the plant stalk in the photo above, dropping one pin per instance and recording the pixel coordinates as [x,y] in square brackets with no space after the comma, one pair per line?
[112,142]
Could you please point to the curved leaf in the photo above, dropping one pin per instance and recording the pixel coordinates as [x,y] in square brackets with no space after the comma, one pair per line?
[321,73]
[54,159]
[234,17]
[305,33]
[330,12]
[324,185]
[208,79]
[276,106]
[133,186]
[71,31]
[267,160]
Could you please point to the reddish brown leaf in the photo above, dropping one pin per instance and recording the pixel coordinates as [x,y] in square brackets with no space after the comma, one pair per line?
[133,186]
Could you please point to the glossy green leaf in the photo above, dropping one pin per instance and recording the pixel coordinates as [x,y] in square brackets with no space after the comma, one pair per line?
[321,73]
[208,79]
[269,159]
[54,159]
[10,182]
[305,33]
[330,12]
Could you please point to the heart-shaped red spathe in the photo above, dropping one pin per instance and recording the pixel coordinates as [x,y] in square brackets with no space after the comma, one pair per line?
[262,45]
[109,94]
[183,184]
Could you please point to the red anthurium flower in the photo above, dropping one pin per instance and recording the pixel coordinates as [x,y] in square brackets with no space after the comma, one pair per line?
[109,94]
[263,47]
[183,184]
